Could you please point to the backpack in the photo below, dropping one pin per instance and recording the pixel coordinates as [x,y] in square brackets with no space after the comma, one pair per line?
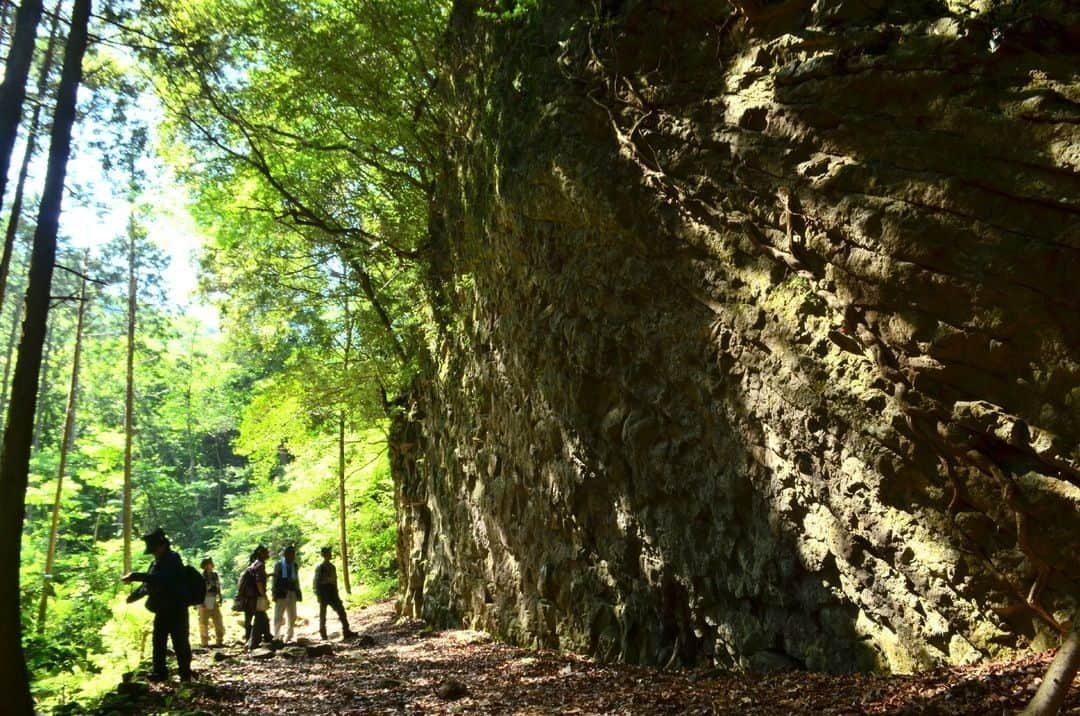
[193,587]
[246,584]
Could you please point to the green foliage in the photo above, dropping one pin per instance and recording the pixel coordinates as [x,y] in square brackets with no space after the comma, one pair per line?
[309,135]
[300,507]
[510,10]
[314,185]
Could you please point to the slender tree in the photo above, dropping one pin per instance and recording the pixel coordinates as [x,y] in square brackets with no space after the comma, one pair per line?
[66,443]
[346,350]
[15,459]
[129,392]
[13,90]
[341,500]
[32,130]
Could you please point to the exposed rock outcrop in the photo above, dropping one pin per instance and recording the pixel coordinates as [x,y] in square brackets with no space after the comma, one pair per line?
[762,342]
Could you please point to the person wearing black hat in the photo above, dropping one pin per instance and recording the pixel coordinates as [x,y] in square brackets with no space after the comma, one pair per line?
[164,598]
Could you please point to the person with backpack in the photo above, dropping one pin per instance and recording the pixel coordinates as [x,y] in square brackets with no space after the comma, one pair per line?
[327,593]
[166,591]
[252,592]
[210,607]
[286,592]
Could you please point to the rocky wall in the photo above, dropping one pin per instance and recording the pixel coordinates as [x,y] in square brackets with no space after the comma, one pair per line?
[760,341]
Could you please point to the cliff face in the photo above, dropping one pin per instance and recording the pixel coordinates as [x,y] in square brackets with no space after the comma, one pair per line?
[761,334]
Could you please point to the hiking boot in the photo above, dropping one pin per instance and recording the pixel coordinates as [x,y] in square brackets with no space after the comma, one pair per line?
[349,634]
[156,677]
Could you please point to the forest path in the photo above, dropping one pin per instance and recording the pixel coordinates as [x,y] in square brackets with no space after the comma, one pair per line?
[402,667]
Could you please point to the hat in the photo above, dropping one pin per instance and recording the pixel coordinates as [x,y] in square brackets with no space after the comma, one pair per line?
[325,551]
[154,540]
[289,548]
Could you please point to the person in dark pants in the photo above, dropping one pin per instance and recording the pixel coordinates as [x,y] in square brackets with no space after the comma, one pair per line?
[256,623]
[327,594]
[163,588]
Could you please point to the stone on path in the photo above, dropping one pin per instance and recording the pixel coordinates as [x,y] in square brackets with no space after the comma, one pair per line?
[451,689]
[320,650]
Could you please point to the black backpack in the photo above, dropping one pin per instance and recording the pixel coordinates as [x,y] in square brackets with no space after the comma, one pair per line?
[193,587]
[245,586]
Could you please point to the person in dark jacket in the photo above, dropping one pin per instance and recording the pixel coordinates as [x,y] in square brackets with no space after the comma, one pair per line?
[327,594]
[164,591]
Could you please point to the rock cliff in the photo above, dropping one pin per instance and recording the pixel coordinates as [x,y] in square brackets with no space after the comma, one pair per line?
[760,340]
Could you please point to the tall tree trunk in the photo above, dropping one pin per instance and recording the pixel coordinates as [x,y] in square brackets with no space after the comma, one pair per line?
[129,396]
[65,448]
[18,433]
[341,501]
[28,155]
[13,90]
[346,357]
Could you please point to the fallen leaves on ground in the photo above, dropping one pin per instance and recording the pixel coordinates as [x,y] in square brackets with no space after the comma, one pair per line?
[403,667]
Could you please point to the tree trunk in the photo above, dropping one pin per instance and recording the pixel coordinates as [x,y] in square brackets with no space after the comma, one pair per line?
[28,155]
[1059,676]
[347,355]
[103,500]
[65,448]
[18,433]
[13,91]
[341,502]
[129,396]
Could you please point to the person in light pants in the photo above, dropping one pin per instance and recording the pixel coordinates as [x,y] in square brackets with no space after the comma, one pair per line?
[286,592]
[210,609]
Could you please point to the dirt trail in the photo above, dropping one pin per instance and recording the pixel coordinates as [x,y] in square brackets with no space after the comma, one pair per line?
[404,668]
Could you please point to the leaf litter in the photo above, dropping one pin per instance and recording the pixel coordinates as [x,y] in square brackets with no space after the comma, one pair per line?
[404,667]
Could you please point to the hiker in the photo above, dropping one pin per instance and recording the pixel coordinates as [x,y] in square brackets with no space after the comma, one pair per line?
[210,609]
[252,590]
[163,587]
[327,594]
[286,592]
